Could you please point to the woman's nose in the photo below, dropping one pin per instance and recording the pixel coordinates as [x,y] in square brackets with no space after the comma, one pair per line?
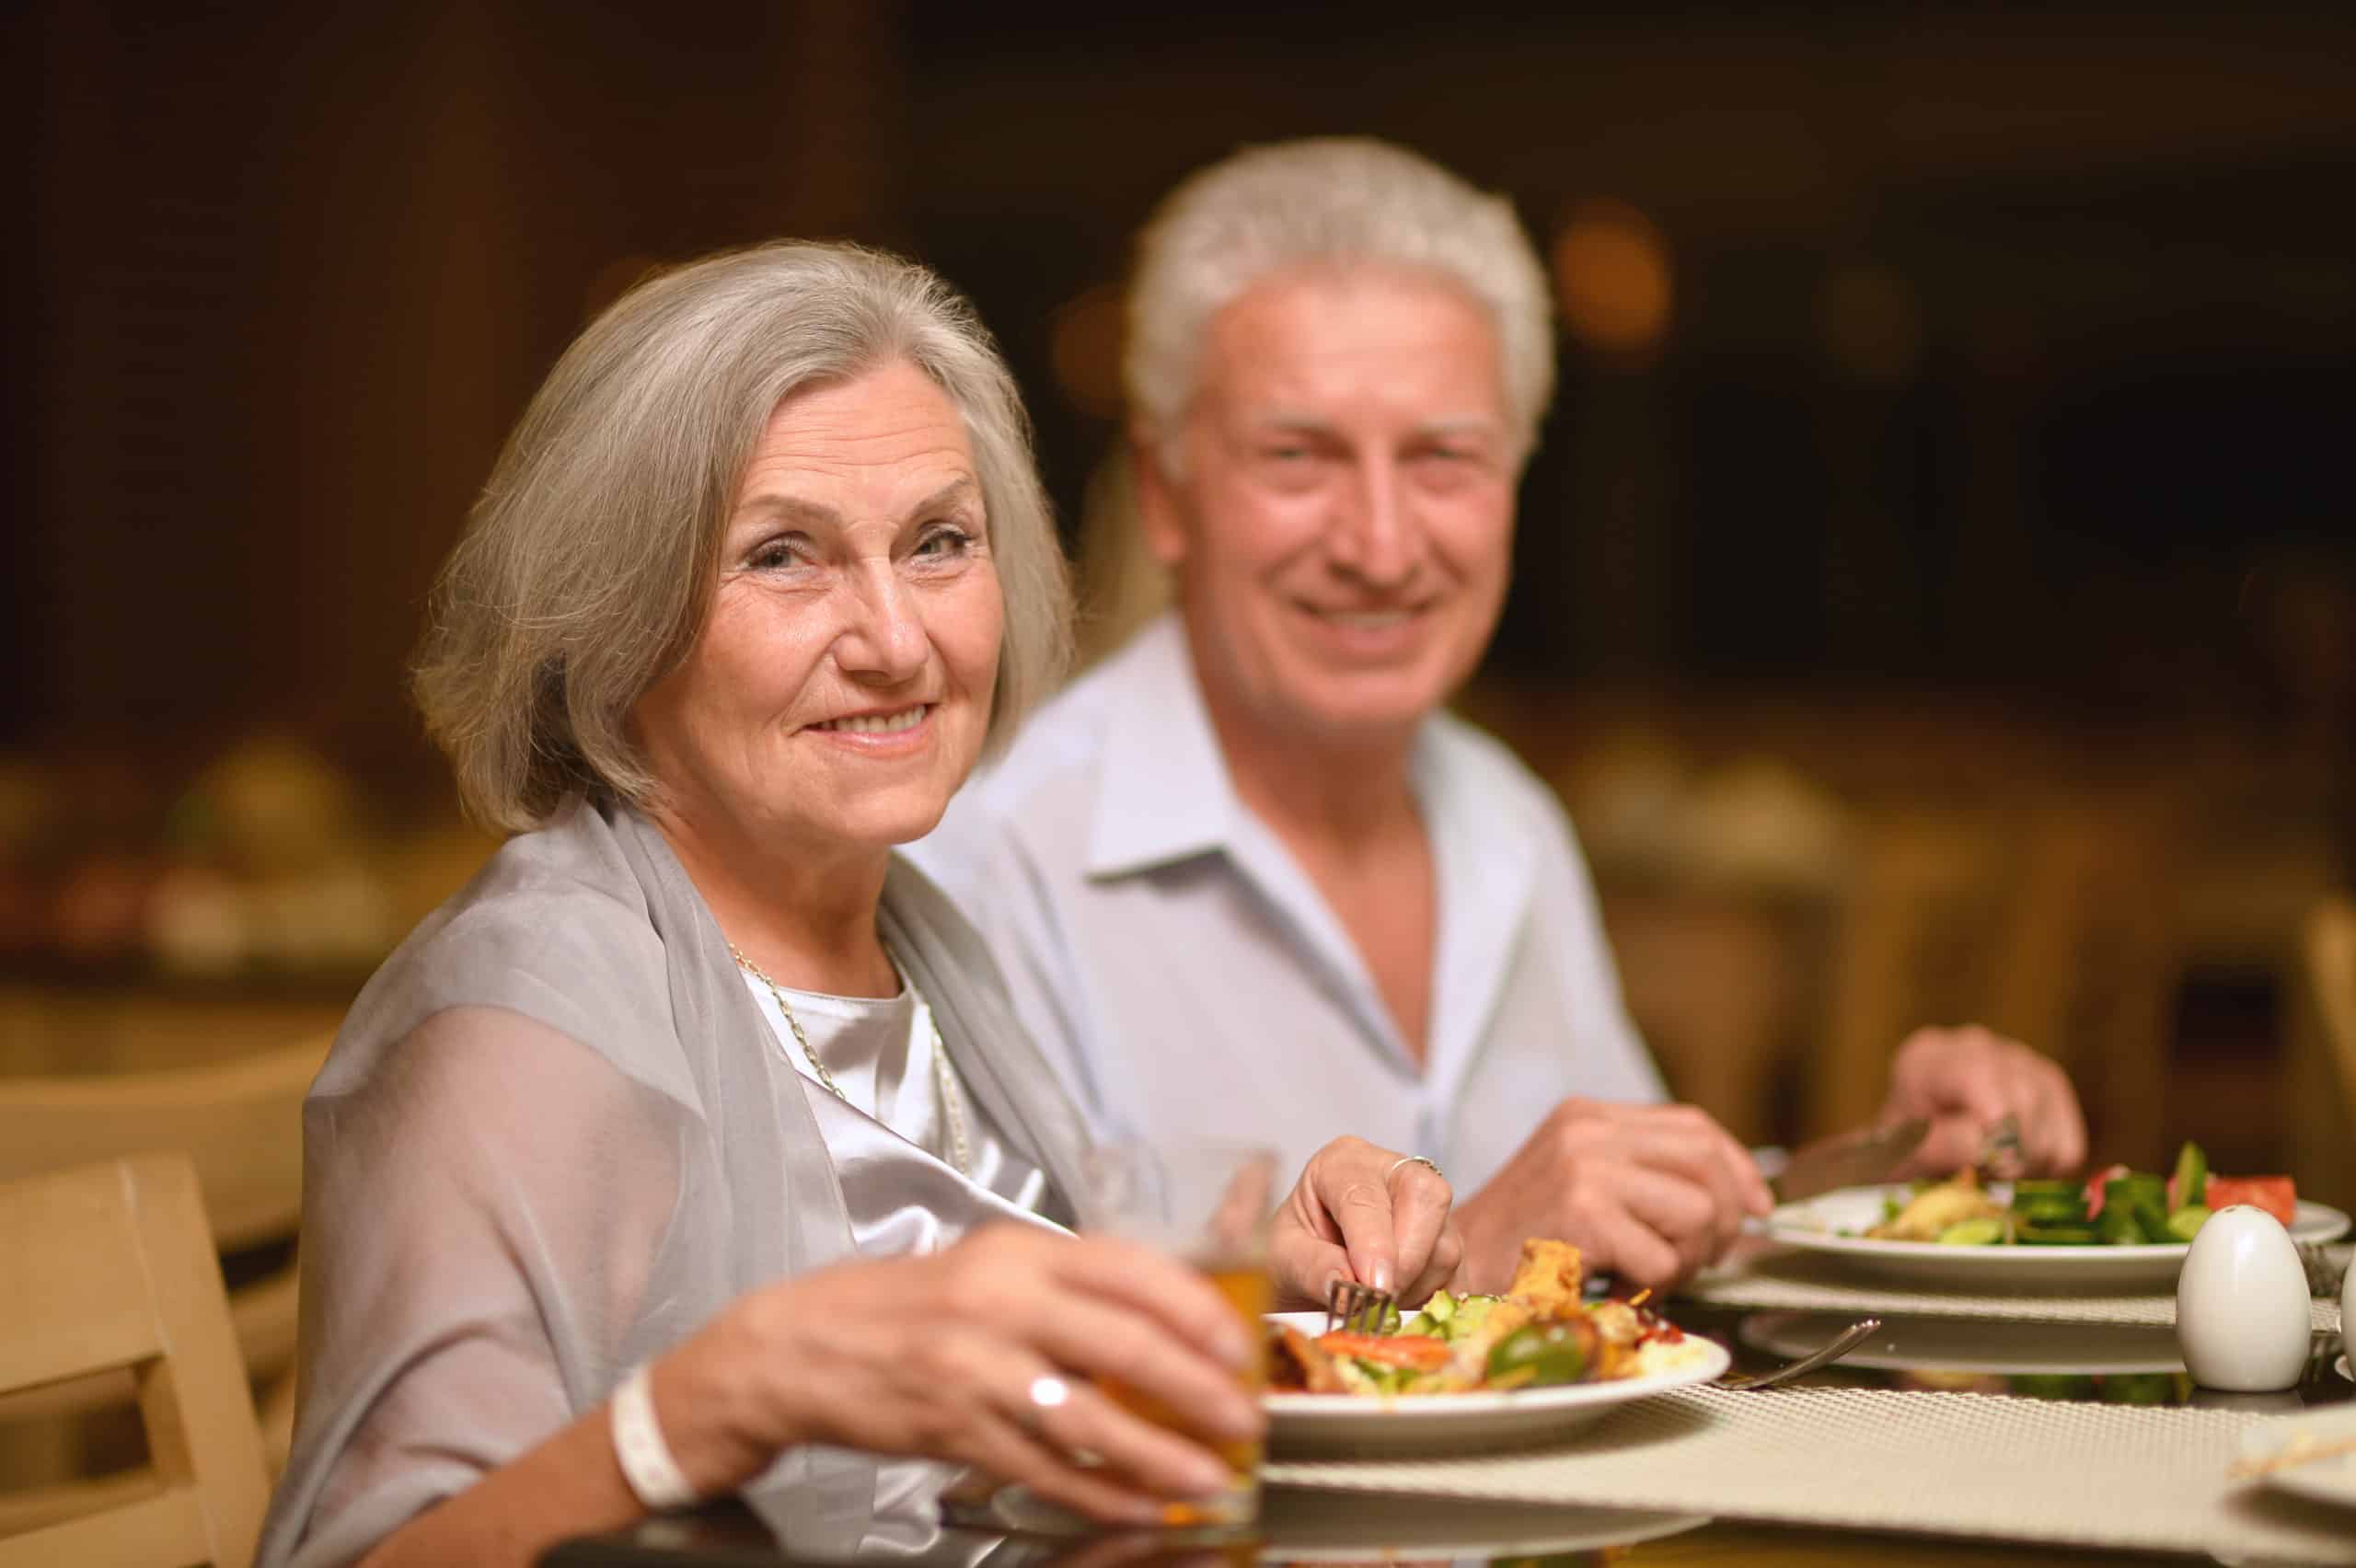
[883,639]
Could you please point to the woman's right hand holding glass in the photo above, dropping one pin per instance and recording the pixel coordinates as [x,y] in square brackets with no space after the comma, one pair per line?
[981,1354]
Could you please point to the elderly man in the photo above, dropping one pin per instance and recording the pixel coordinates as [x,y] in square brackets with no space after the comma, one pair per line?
[1246,877]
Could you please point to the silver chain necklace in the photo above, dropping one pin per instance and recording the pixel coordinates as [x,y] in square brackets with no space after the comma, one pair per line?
[952,1109]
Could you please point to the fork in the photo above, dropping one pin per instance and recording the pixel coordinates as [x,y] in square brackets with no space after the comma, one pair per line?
[1847,1340]
[1359,1309]
[2002,1141]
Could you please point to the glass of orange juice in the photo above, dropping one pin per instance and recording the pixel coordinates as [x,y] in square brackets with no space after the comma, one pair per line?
[1209,1204]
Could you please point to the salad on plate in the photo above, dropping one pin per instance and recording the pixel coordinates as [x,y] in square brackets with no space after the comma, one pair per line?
[1538,1334]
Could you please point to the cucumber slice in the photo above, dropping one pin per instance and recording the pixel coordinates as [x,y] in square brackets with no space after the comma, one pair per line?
[2191,1183]
[2186,1222]
[2080,1235]
[1972,1233]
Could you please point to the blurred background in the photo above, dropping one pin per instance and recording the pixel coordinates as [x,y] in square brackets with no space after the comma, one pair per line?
[1937,591]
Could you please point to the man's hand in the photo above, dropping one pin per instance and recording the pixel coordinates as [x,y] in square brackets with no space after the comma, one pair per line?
[1647,1192]
[1963,1081]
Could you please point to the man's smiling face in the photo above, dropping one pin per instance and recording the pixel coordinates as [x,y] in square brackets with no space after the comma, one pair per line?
[1342,519]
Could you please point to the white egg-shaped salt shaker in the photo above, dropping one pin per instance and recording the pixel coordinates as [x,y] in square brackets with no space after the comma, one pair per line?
[2347,1313]
[2241,1304]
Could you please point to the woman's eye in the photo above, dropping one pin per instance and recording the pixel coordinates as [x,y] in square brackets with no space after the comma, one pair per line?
[946,540]
[771,555]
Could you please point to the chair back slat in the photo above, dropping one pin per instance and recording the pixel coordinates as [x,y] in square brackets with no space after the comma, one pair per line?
[167,1527]
[114,1266]
[79,1301]
[239,1122]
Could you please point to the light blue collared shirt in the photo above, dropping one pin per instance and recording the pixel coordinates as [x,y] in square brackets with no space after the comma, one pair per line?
[1175,962]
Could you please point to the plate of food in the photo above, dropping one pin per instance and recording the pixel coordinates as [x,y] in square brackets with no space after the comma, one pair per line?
[2120,1229]
[1469,1372]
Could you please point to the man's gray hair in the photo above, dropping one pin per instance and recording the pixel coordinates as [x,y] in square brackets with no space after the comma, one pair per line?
[1328,200]
[589,563]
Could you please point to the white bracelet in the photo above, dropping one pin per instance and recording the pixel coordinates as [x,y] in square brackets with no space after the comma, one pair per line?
[645,1459]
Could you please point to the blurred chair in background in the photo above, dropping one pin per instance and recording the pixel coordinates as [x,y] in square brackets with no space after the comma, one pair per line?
[240,1125]
[1925,889]
[2324,1054]
[113,1272]
[1718,892]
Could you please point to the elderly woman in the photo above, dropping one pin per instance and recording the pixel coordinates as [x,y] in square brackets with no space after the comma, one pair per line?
[693,1144]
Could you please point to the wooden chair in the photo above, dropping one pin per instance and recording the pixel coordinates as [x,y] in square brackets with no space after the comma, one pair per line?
[241,1124]
[112,1269]
[2323,1097]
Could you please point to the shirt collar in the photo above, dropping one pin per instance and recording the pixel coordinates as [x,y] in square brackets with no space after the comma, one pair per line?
[1165,793]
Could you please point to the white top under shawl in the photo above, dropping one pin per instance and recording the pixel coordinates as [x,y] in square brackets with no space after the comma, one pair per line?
[879,1050]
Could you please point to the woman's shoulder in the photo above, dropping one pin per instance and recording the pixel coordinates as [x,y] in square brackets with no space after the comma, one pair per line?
[557,925]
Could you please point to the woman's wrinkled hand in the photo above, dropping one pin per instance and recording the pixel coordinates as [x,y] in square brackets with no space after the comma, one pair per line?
[980,1354]
[1365,1212]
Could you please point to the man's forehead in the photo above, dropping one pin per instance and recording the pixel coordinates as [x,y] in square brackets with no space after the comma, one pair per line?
[1290,346]
[1277,417]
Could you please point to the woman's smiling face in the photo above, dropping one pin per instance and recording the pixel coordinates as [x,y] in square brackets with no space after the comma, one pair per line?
[839,690]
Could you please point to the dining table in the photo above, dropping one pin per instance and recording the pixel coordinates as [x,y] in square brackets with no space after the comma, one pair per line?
[2030,1417]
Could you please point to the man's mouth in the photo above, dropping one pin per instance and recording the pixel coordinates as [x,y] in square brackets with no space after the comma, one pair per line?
[1363,620]
[878,723]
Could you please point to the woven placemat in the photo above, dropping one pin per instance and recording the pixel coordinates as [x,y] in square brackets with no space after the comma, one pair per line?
[2031,1470]
[1808,1281]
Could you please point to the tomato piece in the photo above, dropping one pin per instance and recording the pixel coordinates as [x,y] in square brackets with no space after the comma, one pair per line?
[2095,1185]
[2278,1195]
[1417,1353]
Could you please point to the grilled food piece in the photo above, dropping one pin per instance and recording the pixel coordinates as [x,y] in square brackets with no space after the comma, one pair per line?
[1548,1279]
[1937,1208]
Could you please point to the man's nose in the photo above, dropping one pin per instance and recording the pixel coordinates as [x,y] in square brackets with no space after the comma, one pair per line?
[882,637]
[1378,539]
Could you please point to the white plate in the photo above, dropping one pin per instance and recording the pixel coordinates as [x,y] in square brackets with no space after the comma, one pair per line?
[2326,1480]
[1429,1425]
[1969,1344]
[1814,1225]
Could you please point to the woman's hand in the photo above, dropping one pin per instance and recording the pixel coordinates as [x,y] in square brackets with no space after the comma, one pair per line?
[1364,1213]
[945,1356]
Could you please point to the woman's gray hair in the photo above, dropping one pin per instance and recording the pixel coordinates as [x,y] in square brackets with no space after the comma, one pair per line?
[588,564]
[1341,200]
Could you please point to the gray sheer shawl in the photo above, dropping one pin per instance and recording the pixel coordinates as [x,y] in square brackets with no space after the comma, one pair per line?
[548,1143]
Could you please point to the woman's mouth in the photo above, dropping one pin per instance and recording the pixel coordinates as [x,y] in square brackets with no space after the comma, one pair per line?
[878,723]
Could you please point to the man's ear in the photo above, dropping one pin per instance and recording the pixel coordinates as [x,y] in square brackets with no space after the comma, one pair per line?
[1161,516]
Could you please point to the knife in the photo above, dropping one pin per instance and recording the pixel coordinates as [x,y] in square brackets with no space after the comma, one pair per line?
[1848,1159]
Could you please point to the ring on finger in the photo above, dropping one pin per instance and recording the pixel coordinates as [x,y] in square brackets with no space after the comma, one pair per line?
[1047,1392]
[1424,1160]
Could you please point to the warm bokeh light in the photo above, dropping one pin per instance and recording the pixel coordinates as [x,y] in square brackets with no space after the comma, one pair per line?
[1612,270]
[1084,344]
